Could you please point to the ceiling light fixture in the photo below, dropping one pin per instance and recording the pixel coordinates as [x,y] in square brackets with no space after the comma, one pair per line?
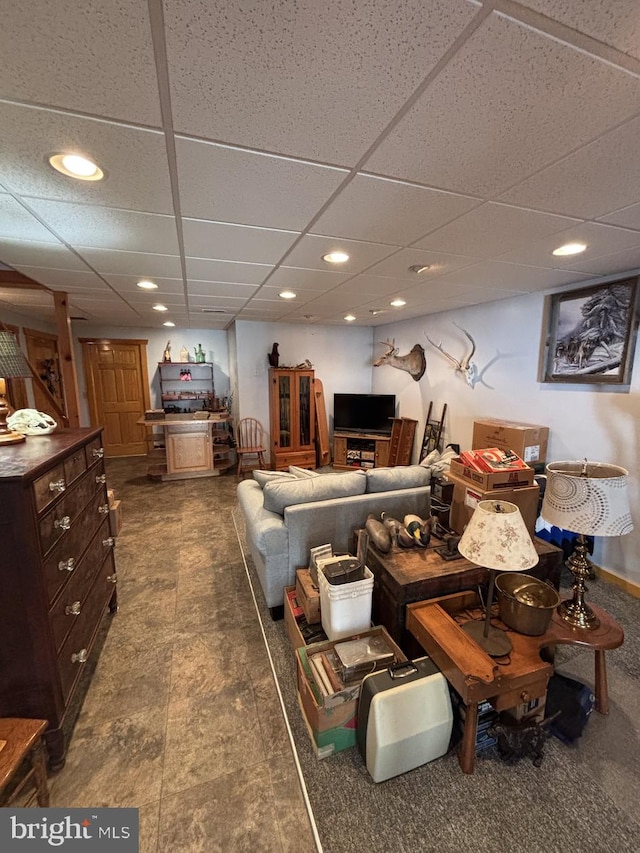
[419,268]
[287,294]
[145,284]
[397,303]
[569,249]
[169,323]
[375,311]
[336,257]
[349,318]
[75,166]
[159,307]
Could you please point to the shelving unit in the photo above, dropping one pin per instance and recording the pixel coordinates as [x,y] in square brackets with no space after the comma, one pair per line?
[183,396]
[292,422]
[183,446]
[355,450]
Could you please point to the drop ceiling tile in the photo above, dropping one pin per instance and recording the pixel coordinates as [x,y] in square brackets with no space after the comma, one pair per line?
[367,284]
[627,217]
[127,284]
[272,293]
[31,253]
[250,188]
[621,262]
[616,24]
[223,241]
[109,228]
[296,279]
[600,240]
[597,179]
[484,124]
[493,229]
[16,223]
[339,300]
[134,160]
[108,261]
[510,277]
[204,269]
[304,80]
[309,251]
[386,211]
[61,279]
[92,56]
[397,266]
[211,289]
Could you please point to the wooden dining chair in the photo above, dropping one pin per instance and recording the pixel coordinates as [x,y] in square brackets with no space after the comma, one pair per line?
[250,445]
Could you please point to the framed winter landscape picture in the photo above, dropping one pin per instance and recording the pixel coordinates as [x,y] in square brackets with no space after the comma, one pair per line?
[590,334]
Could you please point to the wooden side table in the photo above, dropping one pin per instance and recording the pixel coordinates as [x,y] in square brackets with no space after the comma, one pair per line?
[505,682]
[406,576]
[20,738]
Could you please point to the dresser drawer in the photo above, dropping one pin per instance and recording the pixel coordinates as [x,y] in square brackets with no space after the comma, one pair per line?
[49,486]
[75,465]
[61,562]
[65,513]
[94,450]
[77,646]
[71,603]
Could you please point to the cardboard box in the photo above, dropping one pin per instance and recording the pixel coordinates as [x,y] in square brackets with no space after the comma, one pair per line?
[111,496]
[115,518]
[467,496]
[332,720]
[308,596]
[528,441]
[292,612]
[498,480]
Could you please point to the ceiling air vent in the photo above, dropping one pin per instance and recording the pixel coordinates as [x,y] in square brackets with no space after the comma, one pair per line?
[213,310]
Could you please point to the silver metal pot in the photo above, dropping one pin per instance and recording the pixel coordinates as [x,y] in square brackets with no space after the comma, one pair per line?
[526,603]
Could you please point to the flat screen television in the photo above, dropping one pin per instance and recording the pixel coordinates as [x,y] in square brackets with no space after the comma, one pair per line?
[364,413]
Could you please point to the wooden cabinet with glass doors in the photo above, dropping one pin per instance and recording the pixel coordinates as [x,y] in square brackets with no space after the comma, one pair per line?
[292,422]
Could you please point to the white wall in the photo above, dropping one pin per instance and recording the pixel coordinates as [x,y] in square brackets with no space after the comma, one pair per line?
[595,422]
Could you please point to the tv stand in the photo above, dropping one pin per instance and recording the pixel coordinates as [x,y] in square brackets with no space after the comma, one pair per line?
[373,450]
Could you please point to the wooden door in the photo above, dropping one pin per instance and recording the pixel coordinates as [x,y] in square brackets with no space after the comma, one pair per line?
[118,392]
[16,388]
[42,349]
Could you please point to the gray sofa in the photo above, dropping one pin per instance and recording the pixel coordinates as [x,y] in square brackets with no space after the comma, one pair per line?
[287,515]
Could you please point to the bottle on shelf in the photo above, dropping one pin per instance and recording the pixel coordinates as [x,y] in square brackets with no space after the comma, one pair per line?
[184,354]
[166,355]
[200,355]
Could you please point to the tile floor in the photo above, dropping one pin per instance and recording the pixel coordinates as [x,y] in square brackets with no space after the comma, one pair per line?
[181,717]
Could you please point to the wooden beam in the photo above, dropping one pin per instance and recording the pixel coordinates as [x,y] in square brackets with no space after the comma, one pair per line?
[67,361]
[18,279]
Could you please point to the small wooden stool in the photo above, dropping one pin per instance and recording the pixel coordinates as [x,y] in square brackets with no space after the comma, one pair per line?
[18,739]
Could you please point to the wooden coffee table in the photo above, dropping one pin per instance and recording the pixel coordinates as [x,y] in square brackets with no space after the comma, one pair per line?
[405,576]
[506,682]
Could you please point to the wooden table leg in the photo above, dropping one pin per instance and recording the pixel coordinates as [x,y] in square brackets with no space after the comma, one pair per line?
[467,749]
[39,764]
[602,691]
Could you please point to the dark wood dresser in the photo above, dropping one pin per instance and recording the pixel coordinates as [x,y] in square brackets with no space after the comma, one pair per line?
[57,573]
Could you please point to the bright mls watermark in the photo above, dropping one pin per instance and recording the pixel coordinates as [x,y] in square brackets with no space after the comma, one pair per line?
[102,830]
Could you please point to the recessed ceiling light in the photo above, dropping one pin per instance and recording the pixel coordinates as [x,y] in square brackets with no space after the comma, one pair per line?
[287,294]
[397,303]
[160,308]
[75,166]
[349,318]
[169,323]
[336,257]
[419,268]
[570,249]
[145,284]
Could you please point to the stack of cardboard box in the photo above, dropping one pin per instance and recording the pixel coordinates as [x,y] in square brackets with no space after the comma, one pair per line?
[115,512]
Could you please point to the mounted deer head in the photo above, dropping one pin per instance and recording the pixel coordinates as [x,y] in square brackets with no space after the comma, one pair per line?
[466,366]
[413,362]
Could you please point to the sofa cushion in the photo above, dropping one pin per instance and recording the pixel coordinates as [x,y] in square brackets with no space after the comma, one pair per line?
[302,473]
[400,477]
[263,477]
[281,494]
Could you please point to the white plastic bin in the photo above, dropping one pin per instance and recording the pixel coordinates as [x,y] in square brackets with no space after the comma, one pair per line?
[345,609]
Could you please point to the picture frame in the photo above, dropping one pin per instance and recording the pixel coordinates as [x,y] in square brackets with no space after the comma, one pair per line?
[590,334]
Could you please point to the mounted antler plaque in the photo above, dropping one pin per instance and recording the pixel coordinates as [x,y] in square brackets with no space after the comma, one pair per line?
[413,362]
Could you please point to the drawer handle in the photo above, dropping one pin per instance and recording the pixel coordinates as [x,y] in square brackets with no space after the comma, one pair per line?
[79,657]
[101,478]
[98,452]
[109,542]
[63,523]
[73,609]
[103,508]
[67,565]
[57,485]
[112,578]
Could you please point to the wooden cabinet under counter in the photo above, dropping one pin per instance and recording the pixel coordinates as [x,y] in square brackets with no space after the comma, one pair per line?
[57,570]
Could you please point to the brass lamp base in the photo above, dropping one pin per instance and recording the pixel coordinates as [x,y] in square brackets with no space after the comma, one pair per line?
[11,437]
[576,612]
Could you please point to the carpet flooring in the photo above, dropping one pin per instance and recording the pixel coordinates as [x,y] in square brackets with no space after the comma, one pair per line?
[583,797]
